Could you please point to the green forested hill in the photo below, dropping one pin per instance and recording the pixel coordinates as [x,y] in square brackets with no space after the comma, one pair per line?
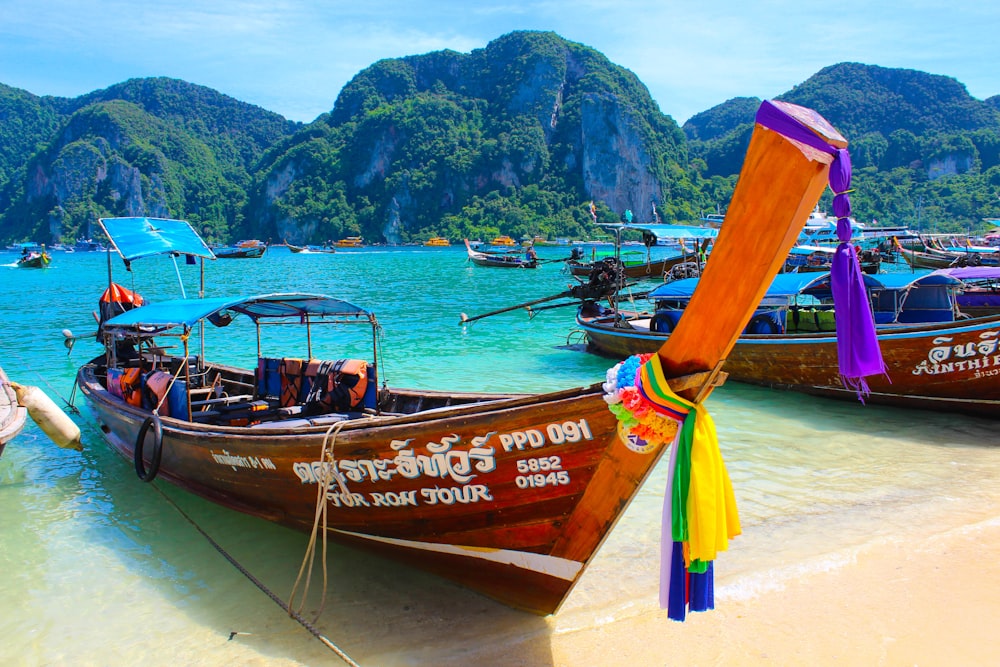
[924,151]
[515,138]
[143,147]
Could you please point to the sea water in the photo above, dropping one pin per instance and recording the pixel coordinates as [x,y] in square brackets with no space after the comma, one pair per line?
[98,568]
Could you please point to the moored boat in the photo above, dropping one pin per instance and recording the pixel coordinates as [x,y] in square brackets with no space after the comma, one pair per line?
[936,357]
[311,249]
[437,242]
[502,260]
[247,249]
[510,495]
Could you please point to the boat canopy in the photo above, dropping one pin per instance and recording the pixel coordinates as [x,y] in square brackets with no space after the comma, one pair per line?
[664,232]
[675,232]
[972,273]
[783,285]
[220,311]
[816,284]
[134,238]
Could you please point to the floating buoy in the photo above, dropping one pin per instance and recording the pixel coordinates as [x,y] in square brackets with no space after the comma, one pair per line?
[49,417]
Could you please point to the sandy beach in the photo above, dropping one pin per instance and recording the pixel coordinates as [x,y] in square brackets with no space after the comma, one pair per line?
[929,600]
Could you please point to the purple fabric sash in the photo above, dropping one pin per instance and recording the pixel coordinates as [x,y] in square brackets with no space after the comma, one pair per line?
[858,351]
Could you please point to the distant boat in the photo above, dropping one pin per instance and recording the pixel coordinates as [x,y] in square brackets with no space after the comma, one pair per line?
[350,242]
[503,241]
[34,260]
[249,249]
[88,245]
[499,260]
[437,242]
[311,249]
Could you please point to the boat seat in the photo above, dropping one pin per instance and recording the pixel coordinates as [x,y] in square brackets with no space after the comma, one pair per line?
[221,401]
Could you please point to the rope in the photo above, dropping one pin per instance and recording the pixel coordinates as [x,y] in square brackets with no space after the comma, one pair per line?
[259,584]
[328,463]
[46,383]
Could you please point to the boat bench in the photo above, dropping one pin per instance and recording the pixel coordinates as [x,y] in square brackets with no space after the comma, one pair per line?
[225,412]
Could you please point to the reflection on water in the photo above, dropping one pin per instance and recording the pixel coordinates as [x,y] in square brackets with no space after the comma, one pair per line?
[98,568]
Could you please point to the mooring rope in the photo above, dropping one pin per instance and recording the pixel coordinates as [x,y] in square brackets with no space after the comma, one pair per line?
[259,584]
[24,364]
[328,474]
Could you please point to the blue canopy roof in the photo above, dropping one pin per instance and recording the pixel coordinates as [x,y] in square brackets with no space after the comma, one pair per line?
[972,272]
[220,310]
[665,232]
[790,284]
[784,284]
[144,237]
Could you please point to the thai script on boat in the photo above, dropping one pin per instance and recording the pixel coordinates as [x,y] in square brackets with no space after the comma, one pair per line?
[444,459]
[440,461]
[236,461]
[949,357]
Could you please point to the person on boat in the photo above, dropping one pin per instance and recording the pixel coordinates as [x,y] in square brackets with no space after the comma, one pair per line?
[530,254]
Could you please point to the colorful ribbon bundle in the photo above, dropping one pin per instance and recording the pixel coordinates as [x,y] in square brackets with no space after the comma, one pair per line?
[699,508]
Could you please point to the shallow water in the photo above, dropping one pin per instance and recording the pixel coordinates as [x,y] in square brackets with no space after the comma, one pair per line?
[98,568]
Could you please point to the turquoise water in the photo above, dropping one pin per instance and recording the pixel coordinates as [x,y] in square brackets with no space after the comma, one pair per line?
[99,569]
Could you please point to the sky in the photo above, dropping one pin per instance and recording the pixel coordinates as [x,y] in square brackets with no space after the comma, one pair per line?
[293,56]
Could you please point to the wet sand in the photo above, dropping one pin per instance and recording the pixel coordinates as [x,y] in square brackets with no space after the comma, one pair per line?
[930,600]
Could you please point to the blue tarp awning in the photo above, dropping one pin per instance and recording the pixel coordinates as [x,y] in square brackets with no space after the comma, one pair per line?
[219,310]
[784,284]
[790,284]
[668,232]
[144,237]
[972,272]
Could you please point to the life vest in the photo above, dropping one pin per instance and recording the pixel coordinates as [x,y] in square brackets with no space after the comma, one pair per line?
[337,385]
[157,382]
[291,381]
[131,384]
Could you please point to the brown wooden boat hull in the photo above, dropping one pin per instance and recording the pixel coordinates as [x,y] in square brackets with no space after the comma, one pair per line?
[510,499]
[952,367]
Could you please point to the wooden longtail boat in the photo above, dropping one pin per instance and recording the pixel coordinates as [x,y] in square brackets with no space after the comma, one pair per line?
[12,416]
[509,495]
[638,265]
[251,249]
[499,260]
[935,360]
[34,260]
[311,249]
[931,255]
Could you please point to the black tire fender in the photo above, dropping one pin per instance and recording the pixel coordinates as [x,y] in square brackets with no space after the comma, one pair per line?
[765,323]
[148,475]
[661,323]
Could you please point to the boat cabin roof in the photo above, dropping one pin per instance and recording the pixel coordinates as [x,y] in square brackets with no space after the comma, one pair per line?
[790,284]
[220,311]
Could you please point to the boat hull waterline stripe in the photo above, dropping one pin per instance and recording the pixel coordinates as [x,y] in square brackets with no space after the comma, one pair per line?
[552,566]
